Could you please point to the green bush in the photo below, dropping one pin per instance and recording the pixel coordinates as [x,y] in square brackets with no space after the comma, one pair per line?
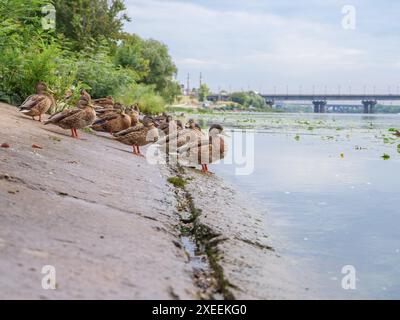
[81,55]
[149,101]
[102,76]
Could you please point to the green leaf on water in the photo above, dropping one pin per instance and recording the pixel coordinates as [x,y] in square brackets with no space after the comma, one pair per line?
[398,148]
[385,156]
[297,138]
[393,130]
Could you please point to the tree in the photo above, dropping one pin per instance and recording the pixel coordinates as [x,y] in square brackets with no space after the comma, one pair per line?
[88,21]
[248,99]
[162,68]
[204,91]
[129,54]
[239,97]
[171,91]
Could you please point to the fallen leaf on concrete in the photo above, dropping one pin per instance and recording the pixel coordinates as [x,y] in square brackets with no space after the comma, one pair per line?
[5,145]
[35,146]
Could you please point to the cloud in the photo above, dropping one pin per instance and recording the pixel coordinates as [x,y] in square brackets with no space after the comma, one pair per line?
[239,43]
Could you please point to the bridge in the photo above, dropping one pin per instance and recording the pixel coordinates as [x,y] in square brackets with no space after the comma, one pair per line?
[320,101]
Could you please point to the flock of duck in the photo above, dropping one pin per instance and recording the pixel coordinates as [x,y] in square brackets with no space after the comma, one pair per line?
[188,144]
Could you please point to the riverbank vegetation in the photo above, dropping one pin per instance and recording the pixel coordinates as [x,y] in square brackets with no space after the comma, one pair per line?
[84,47]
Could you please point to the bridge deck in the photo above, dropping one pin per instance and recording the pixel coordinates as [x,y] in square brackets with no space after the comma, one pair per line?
[314,97]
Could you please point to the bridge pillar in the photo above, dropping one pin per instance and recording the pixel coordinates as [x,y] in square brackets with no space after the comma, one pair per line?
[319,106]
[369,105]
[270,103]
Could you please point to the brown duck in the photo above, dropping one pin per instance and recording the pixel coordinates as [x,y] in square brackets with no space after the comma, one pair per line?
[107,102]
[205,151]
[74,119]
[38,104]
[139,135]
[113,122]
[84,100]
[134,112]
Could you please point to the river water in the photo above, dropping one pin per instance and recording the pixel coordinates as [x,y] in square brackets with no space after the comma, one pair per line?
[330,196]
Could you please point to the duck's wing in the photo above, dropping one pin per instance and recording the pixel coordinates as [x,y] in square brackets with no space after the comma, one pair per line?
[62,115]
[32,101]
[136,128]
[106,118]
[199,143]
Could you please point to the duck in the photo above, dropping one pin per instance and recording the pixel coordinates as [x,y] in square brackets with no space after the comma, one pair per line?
[112,122]
[170,125]
[84,100]
[104,111]
[38,104]
[139,135]
[179,136]
[74,119]
[134,113]
[205,151]
[107,102]
[162,118]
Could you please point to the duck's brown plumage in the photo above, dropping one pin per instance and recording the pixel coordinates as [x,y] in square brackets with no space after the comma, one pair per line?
[84,100]
[113,122]
[134,112]
[107,102]
[205,151]
[139,135]
[39,103]
[180,137]
[74,119]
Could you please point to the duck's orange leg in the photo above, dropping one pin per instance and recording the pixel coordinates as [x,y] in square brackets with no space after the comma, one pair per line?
[40,118]
[204,169]
[138,152]
[76,134]
[134,150]
[72,133]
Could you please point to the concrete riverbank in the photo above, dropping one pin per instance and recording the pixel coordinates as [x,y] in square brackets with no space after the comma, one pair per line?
[109,223]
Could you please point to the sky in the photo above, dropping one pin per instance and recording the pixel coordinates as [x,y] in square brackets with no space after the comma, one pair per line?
[277,46]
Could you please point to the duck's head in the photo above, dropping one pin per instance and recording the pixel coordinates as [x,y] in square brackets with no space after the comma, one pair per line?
[118,106]
[191,124]
[135,107]
[41,87]
[179,124]
[148,121]
[85,95]
[215,130]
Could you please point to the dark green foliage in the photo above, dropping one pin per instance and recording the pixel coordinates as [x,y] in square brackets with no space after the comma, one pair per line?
[249,99]
[151,62]
[204,91]
[90,21]
[82,52]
